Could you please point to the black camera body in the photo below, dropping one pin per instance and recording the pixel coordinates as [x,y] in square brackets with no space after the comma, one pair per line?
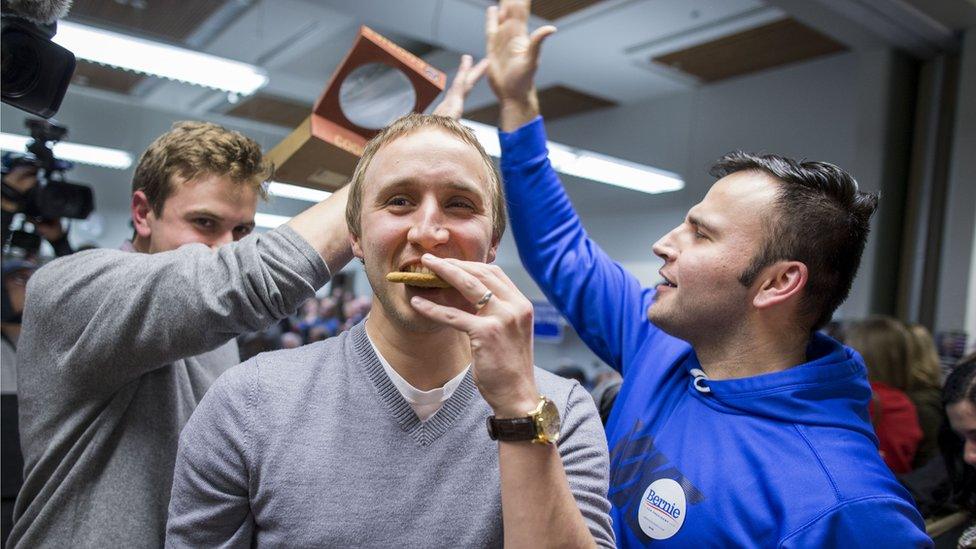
[35,71]
[52,197]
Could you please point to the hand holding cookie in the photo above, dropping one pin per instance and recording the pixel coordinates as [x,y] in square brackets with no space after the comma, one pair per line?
[500,331]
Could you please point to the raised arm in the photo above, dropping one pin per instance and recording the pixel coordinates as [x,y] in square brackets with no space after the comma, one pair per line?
[106,316]
[513,56]
[596,294]
[127,314]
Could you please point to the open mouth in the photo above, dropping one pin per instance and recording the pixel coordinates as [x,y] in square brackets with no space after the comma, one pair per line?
[415,274]
[665,281]
[415,268]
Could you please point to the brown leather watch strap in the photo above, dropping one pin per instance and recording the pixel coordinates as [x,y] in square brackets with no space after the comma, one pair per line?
[520,428]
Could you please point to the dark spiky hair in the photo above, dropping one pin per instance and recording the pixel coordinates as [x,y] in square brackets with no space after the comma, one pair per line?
[821,220]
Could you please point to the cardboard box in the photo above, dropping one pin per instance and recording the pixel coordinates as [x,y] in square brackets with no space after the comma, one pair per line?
[323,150]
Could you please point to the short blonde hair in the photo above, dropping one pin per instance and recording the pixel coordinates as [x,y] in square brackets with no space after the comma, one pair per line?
[193,149]
[409,124]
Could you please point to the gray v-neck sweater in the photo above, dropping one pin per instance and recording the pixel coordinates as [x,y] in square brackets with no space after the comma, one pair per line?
[315,447]
[116,351]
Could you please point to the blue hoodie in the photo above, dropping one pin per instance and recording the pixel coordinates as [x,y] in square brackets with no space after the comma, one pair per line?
[787,459]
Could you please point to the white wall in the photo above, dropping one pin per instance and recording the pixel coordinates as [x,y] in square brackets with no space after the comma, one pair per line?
[970,326]
[957,289]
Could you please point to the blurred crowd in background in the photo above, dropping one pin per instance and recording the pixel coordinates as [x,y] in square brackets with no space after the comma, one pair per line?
[334,310]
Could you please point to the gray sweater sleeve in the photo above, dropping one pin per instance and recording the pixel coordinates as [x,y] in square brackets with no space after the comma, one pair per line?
[209,505]
[108,316]
[583,448]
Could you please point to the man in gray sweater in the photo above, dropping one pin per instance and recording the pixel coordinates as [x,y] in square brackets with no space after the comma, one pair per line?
[377,438]
[119,346]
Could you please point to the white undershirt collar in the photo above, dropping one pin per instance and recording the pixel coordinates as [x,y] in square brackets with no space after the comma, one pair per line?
[424,403]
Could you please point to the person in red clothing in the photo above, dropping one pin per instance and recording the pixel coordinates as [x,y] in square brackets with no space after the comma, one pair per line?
[883,342]
[895,422]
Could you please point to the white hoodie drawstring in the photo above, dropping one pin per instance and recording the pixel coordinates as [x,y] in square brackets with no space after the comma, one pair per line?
[700,379]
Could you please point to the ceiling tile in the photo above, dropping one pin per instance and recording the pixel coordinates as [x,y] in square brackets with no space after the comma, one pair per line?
[169,20]
[767,46]
[554,102]
[552,10]
[272,110]
[93,75]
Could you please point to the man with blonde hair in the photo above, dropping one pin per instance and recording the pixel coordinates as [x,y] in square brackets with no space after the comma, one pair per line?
[118,348]
[394,449]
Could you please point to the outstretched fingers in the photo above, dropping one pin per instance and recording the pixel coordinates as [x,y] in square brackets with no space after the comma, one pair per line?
[475,73]
[491,23]
[467,76]
[536,39]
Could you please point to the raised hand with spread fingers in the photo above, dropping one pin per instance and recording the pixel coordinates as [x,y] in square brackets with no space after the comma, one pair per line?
[467,76]
[513,55]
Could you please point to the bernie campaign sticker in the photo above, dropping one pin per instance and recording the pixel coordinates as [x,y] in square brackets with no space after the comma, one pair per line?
[662,509]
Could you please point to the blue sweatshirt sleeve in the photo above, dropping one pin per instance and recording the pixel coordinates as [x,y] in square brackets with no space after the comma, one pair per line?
[864,523]
[603,302]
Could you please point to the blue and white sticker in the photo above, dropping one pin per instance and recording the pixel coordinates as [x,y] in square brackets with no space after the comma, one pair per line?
[662,509]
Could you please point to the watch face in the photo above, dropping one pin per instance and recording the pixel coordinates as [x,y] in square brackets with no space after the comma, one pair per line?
[548,421]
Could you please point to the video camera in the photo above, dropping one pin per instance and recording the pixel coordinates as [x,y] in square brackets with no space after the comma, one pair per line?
[35,71]
[52,197]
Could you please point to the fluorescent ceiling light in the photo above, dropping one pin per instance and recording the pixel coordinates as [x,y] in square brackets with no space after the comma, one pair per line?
[158,59]
[622,173]
[591,165]
[285,190]
[82,154]
[270,221]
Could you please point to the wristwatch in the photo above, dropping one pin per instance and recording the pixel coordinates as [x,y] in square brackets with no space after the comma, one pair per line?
[540,426]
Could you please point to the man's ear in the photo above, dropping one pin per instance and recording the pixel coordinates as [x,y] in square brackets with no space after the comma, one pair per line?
[493,250]
[141,213]
[357,250]
[780,282]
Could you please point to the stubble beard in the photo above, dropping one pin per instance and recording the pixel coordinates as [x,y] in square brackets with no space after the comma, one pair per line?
[663,319]
[383,292]
[695,327]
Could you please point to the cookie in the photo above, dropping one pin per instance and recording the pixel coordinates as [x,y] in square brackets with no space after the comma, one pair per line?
[422,280]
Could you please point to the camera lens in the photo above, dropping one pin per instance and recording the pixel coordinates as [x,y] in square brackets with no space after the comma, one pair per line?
[20,64]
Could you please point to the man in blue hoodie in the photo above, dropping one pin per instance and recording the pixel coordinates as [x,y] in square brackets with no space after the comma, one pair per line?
[737,425]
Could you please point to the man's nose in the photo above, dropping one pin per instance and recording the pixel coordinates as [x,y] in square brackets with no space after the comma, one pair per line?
[225,237]
[664,247]
[428,229]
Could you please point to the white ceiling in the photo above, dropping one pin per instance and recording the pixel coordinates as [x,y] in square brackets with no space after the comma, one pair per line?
[603,50]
